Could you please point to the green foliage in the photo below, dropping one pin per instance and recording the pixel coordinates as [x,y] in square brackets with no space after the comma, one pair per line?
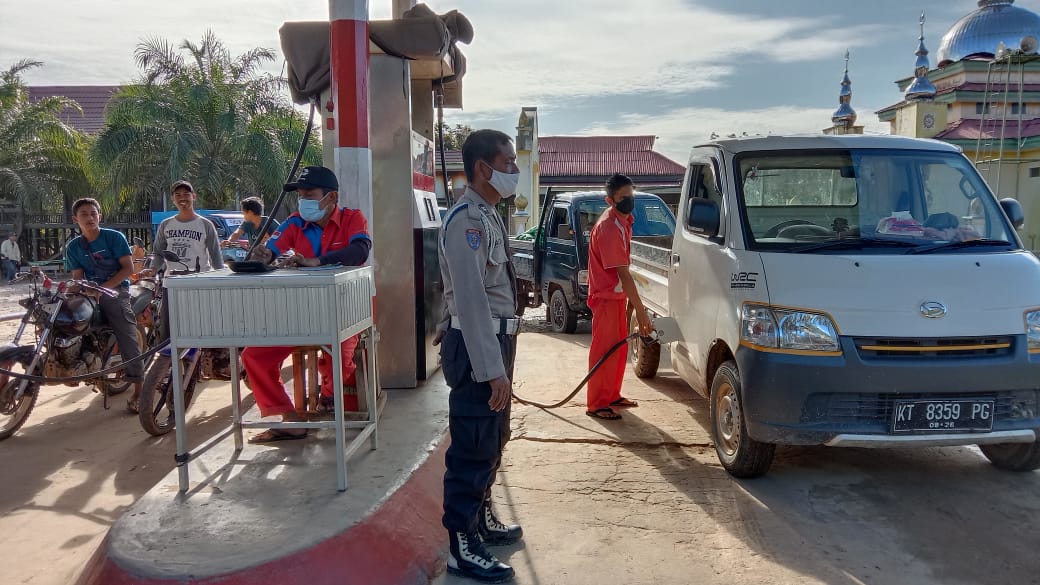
[202,114]
[455,135]
[41,157]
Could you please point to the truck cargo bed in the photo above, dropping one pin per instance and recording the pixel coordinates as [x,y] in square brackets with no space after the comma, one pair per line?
[651,266]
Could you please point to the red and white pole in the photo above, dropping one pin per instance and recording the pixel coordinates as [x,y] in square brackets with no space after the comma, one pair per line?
[349,56]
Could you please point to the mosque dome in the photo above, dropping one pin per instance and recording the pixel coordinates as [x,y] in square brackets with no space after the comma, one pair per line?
[979,33]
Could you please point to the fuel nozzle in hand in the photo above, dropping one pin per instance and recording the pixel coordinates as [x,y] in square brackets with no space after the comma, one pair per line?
[666,330]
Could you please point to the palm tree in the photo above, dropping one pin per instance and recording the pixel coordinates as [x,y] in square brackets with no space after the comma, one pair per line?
[200,113]
[42,158]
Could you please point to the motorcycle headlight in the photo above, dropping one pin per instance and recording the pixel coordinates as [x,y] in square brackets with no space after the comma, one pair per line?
[1033,330]
[583,277]
[787,329]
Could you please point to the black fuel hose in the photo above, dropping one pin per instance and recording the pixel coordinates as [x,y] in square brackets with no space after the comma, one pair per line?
[292,173]
[83,378]
[587,377]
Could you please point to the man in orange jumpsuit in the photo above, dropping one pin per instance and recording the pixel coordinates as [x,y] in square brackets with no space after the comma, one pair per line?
[610,288]
[320,233]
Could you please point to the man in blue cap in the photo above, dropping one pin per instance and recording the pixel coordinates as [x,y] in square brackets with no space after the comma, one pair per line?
[320,233]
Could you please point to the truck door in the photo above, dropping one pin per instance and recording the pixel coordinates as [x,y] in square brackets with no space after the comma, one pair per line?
[561,255]
[700,276]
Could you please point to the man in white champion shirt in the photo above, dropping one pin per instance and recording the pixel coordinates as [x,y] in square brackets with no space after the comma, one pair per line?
[190,236]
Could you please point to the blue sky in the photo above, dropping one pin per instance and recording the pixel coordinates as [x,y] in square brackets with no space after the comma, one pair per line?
[679,69]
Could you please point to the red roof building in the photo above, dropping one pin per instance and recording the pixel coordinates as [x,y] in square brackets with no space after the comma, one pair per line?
[582,161]
[91,98]
[570,163]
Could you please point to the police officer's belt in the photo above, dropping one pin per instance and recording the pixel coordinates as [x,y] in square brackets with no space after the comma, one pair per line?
[502,326]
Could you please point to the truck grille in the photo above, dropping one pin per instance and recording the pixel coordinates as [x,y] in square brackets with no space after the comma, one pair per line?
[950,347]
[866,408]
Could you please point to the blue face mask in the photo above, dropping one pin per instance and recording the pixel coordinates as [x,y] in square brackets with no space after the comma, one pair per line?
[310,209]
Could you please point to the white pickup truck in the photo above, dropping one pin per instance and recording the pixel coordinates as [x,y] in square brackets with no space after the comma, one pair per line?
[864,291]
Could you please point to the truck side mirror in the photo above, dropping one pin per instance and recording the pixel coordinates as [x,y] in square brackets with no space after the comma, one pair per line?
[1013,209]
[704,218]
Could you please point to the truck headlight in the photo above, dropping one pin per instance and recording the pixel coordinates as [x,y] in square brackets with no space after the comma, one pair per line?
[1033,330]
[787,329]
[758,326]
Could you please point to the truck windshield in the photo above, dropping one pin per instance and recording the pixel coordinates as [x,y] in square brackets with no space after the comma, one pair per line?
[800,202]
[652,217]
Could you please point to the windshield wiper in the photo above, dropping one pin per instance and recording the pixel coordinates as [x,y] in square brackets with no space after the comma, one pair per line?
[958,245]
[853,244]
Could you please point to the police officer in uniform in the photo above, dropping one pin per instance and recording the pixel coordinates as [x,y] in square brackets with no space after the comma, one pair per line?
[477,351]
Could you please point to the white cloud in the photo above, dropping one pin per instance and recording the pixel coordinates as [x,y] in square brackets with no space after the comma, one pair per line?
[680,130]
[92,41]
[553,51]
[537,51]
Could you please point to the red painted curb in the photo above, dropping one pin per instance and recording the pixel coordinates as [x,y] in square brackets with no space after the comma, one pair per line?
[402,543]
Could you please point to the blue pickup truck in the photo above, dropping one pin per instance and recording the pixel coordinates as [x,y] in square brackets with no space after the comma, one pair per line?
[552,261]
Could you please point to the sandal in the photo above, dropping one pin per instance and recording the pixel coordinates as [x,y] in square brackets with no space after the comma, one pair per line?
[274,435]
[625,403]
[133,405]
[604,413]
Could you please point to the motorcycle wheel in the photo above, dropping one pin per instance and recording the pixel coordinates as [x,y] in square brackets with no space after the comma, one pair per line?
[155,405]
[115,383]
[13,416]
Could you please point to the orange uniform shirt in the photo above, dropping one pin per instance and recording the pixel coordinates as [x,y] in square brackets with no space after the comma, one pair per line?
[609,248]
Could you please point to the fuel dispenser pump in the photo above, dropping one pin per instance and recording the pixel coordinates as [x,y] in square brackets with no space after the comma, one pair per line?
[409,57]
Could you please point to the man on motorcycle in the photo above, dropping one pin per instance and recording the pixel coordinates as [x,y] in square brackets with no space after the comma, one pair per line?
[102,256]
[320,233]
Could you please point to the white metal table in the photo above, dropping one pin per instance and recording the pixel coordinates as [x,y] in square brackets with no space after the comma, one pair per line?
[280,308]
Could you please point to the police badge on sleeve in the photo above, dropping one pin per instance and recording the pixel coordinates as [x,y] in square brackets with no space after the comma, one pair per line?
[473,238]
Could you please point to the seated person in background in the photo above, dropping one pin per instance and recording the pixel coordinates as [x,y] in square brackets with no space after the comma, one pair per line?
[320,233]
[253,212]
[946,226]
[137,253]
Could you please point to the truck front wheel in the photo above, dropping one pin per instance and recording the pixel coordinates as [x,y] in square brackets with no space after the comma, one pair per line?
[741,455]
[1013,456]
[561,317]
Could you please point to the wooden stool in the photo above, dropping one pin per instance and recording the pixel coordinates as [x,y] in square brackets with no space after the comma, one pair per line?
[306,382]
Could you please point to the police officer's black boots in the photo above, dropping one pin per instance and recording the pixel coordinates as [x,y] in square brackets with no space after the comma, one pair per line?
[467,557]
[492,531]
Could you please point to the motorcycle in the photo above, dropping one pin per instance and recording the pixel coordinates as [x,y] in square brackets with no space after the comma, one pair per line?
[155,404]
[72,341]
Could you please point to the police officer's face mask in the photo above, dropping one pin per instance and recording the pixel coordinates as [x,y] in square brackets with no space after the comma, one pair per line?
[504,183]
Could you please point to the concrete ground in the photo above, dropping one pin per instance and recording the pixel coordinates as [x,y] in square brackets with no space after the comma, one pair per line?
[644,500]
[74,468]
